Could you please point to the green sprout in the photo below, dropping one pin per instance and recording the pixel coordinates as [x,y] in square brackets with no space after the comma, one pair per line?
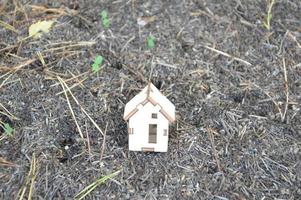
[97,64]
[150,41]
[268,18]
[8,129]
[104,18]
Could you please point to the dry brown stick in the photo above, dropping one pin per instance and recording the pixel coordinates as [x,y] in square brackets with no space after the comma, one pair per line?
[33,176]
[211,137]
[8,26]
[74,85]
[70,107]
[272,99]
[16,68]
[22,9]
[11,70]
[2,7]
[59,11]
[286,90]
[82,109]
[70,79]
[228,55]
[7,113]
[79,44]
[6,163]
[30,179]
[103,143]
[136,73]
[88,138]
[8,47]
[294,38]
[6,79]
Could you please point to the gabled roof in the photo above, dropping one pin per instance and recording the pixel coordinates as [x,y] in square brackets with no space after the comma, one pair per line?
[150,94]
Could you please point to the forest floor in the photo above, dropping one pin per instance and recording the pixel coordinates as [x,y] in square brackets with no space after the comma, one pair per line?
[235,82]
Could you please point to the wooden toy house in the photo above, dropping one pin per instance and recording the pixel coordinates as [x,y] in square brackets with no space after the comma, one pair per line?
[149,114]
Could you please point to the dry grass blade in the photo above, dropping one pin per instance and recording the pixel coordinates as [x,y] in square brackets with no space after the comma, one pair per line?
[7,26]
[30,180]
[16,68]
[33,167]
[6,163]
[41,58]
[286,91]
[70,79]
[11,70]
[272,99]
[3,6]
[87,190]
[79,44]
[70,107]
[59,11]
[103,143]
[228,55]
[282,114]
[211,137]
[7,113]
[83,110]
[73,86]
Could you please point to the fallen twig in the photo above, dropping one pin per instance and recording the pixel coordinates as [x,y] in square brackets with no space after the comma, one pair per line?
[6,163]
[30,180]
[87,190]
[103,143]
[16,68]
[286,91]
[211,137]
[83,110]
[7,26]
[70,107]
[228,55]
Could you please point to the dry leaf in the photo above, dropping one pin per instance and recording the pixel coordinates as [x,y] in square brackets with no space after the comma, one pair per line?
[41,26]
[142,21]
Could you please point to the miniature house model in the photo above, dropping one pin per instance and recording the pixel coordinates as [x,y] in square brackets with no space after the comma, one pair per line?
[149,114]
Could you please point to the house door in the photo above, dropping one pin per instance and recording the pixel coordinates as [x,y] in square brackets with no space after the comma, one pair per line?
[152,133]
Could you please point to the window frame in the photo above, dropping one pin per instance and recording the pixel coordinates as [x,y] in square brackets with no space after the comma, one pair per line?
[154,116]
[152,133]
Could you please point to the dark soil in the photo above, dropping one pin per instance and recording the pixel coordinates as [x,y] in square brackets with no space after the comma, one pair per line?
[236,136]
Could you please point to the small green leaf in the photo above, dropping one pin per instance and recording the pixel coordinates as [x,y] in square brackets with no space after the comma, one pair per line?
[105,19]
[97,63]
[8,129]
[98,60]
[95,68]
[104,14]
[106,23]
[150,41]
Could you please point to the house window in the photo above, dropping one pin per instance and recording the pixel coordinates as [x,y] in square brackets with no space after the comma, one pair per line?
[152,133]
[165,132]
[154,115]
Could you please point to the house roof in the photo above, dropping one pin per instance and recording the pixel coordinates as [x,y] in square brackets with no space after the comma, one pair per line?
[150,94]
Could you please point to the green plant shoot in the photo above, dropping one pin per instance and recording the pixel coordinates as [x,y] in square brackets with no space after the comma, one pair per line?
[97,64]
[150,41]
[268,17]
[98,60]
[105,19]
[8,129]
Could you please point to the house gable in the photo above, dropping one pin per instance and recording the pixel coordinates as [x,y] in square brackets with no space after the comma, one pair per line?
[150,94]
